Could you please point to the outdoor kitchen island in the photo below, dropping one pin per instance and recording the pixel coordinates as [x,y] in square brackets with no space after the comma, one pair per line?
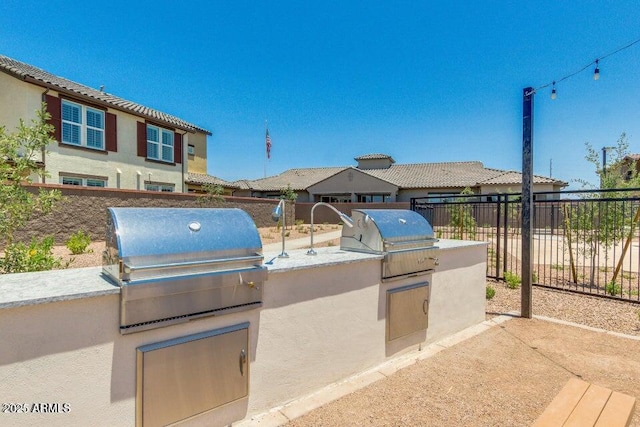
[322,319]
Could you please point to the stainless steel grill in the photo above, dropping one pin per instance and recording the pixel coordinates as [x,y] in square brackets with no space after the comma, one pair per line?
[174,265]
[403,236]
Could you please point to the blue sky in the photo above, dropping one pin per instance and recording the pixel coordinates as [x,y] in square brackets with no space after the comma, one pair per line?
[422,81]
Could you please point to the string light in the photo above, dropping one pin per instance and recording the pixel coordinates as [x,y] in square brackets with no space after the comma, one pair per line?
[596,72]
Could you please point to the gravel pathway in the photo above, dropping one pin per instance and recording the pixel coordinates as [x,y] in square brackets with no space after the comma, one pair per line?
[591,311]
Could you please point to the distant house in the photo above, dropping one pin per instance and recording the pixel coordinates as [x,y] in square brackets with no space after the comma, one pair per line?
[377,178]
[103,140]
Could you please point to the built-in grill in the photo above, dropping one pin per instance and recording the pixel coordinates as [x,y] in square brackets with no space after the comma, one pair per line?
[404,238]
[175,265]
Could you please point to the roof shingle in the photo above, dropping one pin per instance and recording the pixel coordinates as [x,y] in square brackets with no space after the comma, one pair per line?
[36,75]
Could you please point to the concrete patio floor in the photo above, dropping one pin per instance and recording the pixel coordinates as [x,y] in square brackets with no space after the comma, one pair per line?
[503,372]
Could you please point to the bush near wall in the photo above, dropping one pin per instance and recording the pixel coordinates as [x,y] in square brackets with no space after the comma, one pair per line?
[86,209]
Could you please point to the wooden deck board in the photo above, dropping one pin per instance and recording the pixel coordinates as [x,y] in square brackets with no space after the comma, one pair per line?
[581,404]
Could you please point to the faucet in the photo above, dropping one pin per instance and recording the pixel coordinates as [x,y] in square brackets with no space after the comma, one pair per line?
[344,217]
[279,211]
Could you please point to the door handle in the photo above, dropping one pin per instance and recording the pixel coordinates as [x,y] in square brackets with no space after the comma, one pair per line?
[425,306]
[243,361]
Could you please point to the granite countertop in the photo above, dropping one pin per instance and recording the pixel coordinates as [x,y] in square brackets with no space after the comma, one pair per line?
[49,286]
[61,285]
[23,289]
[298,259]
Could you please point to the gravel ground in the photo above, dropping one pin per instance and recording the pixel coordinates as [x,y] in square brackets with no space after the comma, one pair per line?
[591,311]
[505,376]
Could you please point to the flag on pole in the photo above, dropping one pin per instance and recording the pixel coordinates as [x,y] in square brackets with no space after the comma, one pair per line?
[268,142]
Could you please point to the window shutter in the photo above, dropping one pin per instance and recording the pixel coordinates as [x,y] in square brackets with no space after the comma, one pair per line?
[142,139]
[111,132]
[177,147]
[54,108]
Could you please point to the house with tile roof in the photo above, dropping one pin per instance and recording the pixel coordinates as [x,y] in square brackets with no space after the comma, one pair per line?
[377,178]
[103,140]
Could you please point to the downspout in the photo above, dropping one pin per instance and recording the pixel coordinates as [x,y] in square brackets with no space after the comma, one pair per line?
[43,177]
[185,159]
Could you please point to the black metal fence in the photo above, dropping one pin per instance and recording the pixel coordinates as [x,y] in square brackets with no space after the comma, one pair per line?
[585,241]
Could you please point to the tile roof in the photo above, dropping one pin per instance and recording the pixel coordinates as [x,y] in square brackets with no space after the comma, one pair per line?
[418,175]
[200,178]
[298,179]
[38,76]
[375,156]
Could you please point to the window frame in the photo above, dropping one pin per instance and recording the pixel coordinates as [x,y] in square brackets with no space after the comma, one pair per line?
[83,126]
[83,181]
[159,187]
[160,144]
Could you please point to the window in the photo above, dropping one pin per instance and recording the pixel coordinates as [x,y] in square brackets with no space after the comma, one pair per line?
[191,150]
[82,126]
[335,199]
[373,198]
[159,144]
[166,188]
[86,182]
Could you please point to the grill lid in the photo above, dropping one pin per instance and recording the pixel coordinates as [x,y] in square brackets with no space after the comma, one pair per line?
[147,242]
[379,230]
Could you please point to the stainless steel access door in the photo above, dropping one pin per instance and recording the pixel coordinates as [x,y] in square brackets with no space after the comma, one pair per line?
[186,376]
[407,310]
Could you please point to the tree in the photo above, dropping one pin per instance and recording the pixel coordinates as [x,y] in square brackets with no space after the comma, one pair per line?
[461,217]
[288,194]
[213,195]
[18,154]
[603,219]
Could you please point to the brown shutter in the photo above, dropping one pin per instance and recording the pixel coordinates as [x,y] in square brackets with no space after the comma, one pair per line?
[142,139]
[54,108]
[111,132]
[177,147]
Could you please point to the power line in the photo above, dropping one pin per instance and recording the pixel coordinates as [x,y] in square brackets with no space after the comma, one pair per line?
[595,61]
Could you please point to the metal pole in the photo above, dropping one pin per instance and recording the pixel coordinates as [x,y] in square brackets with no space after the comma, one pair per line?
[527,202]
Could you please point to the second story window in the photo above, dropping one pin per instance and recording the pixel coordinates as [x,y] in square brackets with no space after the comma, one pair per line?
[159,144]
[82,126]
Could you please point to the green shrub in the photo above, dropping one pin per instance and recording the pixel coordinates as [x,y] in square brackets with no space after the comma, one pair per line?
[78,242]
[490,292]
[613,289]
[512,279]
[38,256]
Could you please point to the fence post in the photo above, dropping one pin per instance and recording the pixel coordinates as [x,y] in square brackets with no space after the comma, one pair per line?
[499,206]
[527,202]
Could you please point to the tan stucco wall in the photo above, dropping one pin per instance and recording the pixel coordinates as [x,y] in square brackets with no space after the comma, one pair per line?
[197,163]
[353,181]
[317,326]
[18,100]
[122,169]
[134,170]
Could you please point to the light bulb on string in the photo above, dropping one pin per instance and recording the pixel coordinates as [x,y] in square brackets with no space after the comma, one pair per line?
[596,72]
[553,91]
